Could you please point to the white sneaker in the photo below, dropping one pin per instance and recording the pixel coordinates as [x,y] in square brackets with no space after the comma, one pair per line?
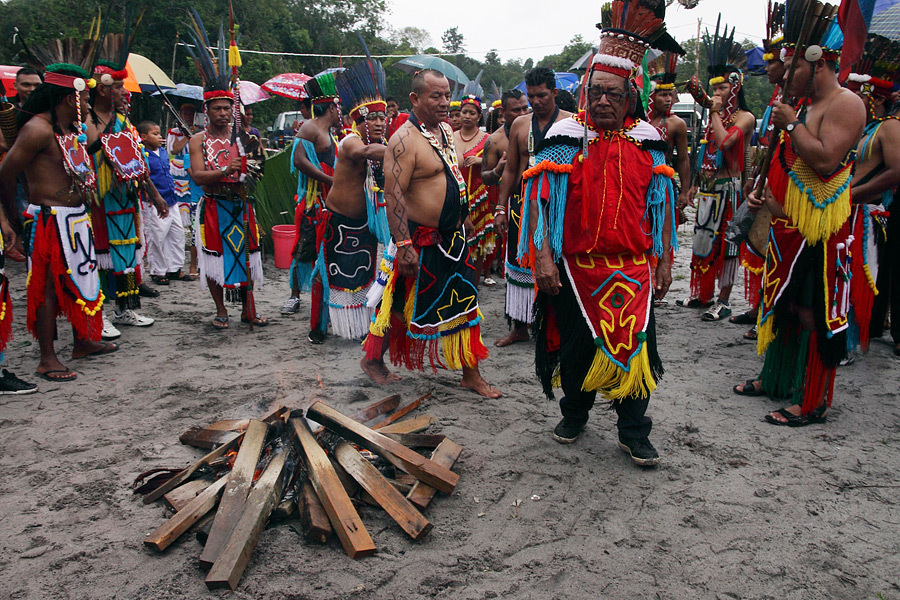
[290,306]
[129,317]
[109,330]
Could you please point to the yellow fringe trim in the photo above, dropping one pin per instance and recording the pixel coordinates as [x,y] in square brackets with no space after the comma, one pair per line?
[457,348]
[104,178]
[816,224]
[758,272]
[616,384]
[381,323]
[765,334]
[133,240]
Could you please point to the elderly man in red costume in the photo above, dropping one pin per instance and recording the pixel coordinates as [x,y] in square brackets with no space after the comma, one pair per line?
[602,205]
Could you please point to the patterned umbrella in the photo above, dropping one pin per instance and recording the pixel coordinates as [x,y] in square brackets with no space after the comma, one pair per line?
[887,21]
[288,85]
[251,93]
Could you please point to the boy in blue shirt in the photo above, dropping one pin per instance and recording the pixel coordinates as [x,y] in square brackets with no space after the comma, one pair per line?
[165,236]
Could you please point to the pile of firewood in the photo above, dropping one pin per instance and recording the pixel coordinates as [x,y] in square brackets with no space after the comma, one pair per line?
[315,467]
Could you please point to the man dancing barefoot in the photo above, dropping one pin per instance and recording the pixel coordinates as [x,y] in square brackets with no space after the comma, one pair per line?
[430,302]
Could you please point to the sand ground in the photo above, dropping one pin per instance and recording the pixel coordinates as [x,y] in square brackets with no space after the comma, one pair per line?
[738,509]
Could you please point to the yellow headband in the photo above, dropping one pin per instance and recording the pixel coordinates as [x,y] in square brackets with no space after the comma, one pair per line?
[665,86]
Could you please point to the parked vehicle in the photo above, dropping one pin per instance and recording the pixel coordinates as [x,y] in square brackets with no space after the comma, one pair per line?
[281,133]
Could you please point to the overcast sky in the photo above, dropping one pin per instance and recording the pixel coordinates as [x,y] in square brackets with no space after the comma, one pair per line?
[533,29]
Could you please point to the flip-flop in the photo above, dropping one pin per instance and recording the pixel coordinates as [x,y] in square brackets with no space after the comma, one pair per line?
[179,276]
[257,321]
[220,323]
[107,348]
[742,389]
[67,375]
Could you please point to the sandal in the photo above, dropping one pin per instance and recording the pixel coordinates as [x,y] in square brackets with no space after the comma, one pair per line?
[750,334]
[692,303]
[748,388]
[220,323]
[146,291]
[58,375]
[179,276]
[820,415]
[745,318]
[716,312]
[159,279]
[258,321]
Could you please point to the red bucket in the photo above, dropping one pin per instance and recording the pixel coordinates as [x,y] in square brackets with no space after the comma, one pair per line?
[283,238]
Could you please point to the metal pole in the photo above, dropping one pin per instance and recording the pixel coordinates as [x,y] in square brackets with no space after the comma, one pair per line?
[172,77]
[694,137]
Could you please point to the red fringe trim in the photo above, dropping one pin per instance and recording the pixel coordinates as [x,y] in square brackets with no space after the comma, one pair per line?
[6,321]
[46,256]
[819,378]
[862,297]
[752,280]
[411,353]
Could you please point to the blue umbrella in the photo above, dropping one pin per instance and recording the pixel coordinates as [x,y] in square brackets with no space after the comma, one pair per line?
[185,90]
[755,63]
[564,81]
[412,64]
[887,22]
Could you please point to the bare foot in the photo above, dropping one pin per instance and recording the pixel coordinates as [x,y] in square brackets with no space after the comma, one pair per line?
[777,416]
[51,365]
[514,336]
[472,380]
[378,371]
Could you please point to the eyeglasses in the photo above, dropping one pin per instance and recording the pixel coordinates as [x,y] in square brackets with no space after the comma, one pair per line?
[595,93]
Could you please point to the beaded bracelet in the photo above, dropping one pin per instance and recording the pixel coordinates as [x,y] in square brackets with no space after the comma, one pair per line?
[404,243]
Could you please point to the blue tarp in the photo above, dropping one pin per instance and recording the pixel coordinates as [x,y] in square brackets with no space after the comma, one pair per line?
[564,81]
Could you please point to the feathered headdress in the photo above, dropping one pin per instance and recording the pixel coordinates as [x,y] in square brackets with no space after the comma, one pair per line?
[114,49]
[321,89]
[878,70]
[727,59]
[362,88]
[212,65]
[472,93]
[70,55]
[628,28]
[824,38]
[774,28]
[662,71]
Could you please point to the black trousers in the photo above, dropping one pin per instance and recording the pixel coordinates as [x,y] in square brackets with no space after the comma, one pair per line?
[633,423]
[888,283]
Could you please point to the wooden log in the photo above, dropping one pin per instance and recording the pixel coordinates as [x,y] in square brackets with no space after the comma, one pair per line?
[394,504]
[446,454]
[230,425]
[340,510]
[382,407]
[169,531]
[397,454]
[183,494]
[232,560]
[416,440]
[401,413]
[186,473]
[414,425]
[313,517]
[207,439]
[236,492]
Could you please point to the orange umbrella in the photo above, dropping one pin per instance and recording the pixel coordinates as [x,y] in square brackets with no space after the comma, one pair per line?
[140,70]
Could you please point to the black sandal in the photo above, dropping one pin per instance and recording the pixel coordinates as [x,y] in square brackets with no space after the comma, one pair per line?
[820,415]
[741,388]
[745,318]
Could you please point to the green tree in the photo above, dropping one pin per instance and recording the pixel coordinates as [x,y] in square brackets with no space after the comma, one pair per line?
[453,41]
[563,61]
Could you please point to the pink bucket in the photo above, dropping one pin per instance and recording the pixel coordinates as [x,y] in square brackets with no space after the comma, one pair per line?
[283,238]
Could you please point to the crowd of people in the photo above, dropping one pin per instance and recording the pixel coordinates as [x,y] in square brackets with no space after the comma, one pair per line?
[402,217]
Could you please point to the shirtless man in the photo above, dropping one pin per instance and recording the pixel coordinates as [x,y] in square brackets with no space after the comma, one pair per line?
[525,134]
[55,199]
[222,196]
[794,318]
[876,176]
[354,219]
[314,156]
[725,142]
[425,197]
[673,130]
